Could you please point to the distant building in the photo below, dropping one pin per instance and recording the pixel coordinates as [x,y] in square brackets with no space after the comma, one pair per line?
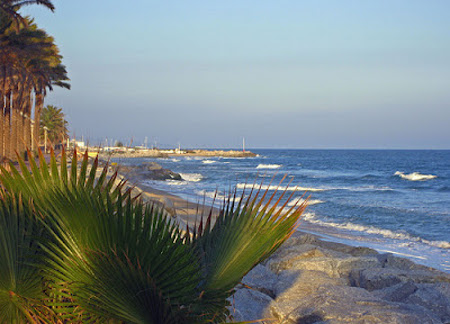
[79,144]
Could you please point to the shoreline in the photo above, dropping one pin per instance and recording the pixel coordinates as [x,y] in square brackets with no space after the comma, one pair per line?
[315,277]
[327,233]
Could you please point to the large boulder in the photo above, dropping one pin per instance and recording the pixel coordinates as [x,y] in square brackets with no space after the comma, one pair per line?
[432,296]
[261,278]
[379,278]
[342,304]
[313,281]
[249,305]
[294,286]
[149,171]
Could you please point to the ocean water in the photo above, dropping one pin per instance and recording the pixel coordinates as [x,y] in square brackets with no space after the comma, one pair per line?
[393,201]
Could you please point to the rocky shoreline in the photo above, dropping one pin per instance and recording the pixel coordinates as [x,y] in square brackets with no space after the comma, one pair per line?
[309,280]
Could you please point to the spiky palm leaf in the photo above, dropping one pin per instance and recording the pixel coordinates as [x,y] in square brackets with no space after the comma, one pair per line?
[21,282]
[110,257]
[100,236]
[125,261]
[243,235]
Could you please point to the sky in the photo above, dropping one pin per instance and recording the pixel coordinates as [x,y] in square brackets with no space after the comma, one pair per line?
[282,74]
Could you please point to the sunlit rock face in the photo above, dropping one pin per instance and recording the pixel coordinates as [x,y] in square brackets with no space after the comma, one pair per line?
[313,281]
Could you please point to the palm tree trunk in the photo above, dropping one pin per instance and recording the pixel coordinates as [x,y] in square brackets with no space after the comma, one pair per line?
[2,118]
[39,104]
[27,121]
[14,123]
[21,106]
[7,124]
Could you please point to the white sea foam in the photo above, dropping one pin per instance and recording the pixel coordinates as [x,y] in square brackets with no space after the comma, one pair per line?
[415,176]
[175,160]
[311,202]
[311,217]
[268,166]
[191,177]
[214,195]
[363,188]
[275,187]
[175,182]
[208,161]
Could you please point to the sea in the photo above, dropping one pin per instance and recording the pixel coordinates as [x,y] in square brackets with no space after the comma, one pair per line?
[395,201]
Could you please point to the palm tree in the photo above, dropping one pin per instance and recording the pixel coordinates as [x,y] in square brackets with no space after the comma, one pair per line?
[53,119]
[10,9]
[29,62]
[77,247]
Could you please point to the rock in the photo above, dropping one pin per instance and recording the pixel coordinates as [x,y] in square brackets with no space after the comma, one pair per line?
[151,166]
[379,278]
[373,279]
[297,285]
[154,171]
[261,279]
[340,304]
[390,261]
[333,267]
[400,293]
[347,249]
[149,171]
[249,305]
[286,257]
[435,297]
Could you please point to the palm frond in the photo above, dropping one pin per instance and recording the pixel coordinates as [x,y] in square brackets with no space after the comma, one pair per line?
[125,260]
[103,255]
[243,235]
[21,294]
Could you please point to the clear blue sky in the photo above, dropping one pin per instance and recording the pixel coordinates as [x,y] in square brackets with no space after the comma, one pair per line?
[306,74]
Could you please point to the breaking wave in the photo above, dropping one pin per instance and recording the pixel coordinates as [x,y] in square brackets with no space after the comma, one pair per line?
[363,188]
[175,182]
[274,187]
[311,218]
[298,201]
[415,176]
[268,166]
[215,195]
[192,177]
[208,161]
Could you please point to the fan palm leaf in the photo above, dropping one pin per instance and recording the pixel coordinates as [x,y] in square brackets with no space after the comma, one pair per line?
[243,236]
[107,256]
[110,236]
[21,284]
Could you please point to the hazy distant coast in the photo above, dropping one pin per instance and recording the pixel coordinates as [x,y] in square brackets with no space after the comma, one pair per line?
[170,153]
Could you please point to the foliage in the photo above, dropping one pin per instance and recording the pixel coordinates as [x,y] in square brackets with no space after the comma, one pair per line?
[30,64]
[10,9]
[77,247]
[53,118]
